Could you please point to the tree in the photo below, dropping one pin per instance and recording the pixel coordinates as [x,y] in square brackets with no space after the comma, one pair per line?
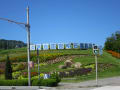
[8,69]
[113,42]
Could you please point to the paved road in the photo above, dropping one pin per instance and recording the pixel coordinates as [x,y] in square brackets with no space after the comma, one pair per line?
[88,85]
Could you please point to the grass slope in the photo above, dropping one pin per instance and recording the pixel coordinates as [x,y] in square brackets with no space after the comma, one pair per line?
[106,59]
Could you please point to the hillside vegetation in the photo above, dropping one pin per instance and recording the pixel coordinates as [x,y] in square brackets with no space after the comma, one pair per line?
[10,44]
[50,60]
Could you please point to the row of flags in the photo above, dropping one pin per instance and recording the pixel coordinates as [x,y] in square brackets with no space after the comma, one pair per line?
[61,46]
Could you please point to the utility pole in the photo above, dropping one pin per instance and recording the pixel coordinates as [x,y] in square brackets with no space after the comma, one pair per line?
[96,70]
[95,51]
[28,46]
[28,40]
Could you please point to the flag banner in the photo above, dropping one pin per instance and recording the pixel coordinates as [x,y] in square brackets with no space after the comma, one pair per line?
[67,46]
[32,47]
[38,46]
[52,46]
[60,46]
[75,45]
[90,45]
[82,46]
[45,46]
[86,46]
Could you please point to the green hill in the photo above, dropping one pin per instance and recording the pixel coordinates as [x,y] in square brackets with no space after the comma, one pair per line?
[50,60]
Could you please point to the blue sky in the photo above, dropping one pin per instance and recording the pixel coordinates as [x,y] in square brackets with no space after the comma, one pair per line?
[56,21]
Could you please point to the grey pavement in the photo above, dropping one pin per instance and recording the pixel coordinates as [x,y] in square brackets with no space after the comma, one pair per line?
[87,85]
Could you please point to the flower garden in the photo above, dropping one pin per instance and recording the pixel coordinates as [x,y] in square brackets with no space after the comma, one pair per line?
[82,65]
[114,54]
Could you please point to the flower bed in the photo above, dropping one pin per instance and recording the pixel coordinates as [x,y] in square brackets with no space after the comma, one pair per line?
[33,56]
[76,72]
[114,54]
[52,81]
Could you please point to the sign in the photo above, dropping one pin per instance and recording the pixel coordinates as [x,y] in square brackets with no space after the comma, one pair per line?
[60,46]
[86,46]
[95,49]
[82,45]
[100,50]
[52,46]
[90,45]
[45,46]
[32,47]
[38,46]
[67,46]
[75,45]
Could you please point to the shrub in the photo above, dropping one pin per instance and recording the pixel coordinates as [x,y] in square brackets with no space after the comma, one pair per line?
[55,76]
[8,69]
[23,82]
[44,82]
[16,74]
[49,82]
[36,82]
[52,81]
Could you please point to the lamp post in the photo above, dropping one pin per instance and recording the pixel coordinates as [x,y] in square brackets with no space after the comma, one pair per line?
[27,25]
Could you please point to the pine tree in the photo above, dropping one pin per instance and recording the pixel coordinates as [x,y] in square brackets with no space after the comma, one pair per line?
[8,69]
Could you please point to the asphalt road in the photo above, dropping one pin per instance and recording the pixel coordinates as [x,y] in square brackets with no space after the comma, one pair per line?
[87,85]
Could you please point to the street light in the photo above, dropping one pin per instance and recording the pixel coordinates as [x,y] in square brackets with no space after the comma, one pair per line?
[27,25]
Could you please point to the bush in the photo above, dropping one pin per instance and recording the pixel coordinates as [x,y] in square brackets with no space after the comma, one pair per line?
[16,74]
[8,69]
[55,76]
[36,82]
[44,82]
[49,82]
[23,82]
[52,81]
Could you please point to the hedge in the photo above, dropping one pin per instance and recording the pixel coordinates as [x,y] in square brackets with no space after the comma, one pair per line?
[45,82]
[23,82]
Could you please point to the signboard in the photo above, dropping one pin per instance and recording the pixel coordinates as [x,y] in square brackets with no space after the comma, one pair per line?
[100,50]
[90,45]
[75,45]
[60,46]
[32,47]
[82,46]
[67,46]
[52,46]
[86,46]
[45,46]
[95,49]
[38,46]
